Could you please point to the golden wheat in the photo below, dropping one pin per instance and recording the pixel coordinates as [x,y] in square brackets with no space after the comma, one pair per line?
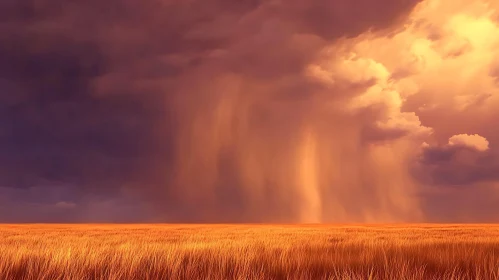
[249,252]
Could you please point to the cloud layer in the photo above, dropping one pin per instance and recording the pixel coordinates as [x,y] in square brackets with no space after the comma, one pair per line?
[249,111]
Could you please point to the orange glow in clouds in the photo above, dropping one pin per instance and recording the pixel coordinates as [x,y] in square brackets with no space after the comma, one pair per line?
[341,151]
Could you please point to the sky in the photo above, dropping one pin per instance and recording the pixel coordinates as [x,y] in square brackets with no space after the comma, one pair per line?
[219,111]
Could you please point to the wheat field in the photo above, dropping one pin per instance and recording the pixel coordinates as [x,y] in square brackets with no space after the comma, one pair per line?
[249,251]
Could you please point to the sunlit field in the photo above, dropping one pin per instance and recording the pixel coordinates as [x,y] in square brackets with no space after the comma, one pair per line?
[249,252]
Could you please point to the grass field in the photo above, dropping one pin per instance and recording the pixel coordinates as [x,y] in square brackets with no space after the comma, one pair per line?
[249,252]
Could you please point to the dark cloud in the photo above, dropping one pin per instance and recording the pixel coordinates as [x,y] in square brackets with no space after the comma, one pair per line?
[55,124]
[92,93]
[457,165]
[332,19]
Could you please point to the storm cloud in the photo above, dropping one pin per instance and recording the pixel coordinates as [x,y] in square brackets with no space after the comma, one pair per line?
[244,111]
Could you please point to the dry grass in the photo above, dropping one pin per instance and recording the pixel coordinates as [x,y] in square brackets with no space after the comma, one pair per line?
[249,252]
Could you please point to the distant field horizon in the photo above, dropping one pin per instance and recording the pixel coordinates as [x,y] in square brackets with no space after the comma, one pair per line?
[261,224]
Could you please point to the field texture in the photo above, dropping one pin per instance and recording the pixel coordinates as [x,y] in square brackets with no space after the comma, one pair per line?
[249,252]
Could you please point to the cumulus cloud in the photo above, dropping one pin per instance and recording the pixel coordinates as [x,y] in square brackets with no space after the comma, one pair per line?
[474,141]
[442,59]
